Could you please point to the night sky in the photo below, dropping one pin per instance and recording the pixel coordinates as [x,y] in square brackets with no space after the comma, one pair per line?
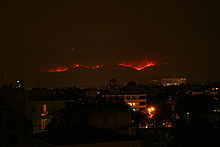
[181,37]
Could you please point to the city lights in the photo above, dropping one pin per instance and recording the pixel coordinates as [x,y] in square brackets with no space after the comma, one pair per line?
[109,73]
[151,111]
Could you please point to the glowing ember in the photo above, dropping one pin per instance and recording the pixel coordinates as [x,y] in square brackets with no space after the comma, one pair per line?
[76,65]
[96,66]
[138,66]
[89,67]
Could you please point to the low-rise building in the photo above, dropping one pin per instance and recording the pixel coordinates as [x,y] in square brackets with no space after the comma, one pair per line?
[15,129]
[40,112]
[95,125]
[85,137]
[137,101]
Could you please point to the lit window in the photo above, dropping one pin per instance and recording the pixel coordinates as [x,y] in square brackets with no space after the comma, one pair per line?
[43,124]
[43,110]
[131,103]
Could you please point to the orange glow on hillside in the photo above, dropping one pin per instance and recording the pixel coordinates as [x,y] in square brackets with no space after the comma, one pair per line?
[89,67]
[59,69]
[138,65]
[96,66]
[62,69]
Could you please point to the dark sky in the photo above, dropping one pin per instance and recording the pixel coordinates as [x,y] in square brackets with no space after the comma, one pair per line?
[39,35]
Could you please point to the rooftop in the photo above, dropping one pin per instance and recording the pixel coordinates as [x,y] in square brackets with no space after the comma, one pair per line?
[81,136]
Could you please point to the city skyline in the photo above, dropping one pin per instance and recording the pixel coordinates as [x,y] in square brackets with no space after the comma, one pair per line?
[181,38]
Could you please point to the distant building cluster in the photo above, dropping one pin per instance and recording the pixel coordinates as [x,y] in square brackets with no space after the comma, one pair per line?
[109,115]
[173,81]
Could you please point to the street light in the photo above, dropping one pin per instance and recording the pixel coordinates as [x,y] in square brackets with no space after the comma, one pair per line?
[151,111]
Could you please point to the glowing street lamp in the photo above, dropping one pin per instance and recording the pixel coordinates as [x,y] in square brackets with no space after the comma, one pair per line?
[151,111]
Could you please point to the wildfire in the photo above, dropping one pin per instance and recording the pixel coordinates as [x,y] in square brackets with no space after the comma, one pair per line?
[138,66]
[134,65]
[62,69]
[59,69]
[96,66]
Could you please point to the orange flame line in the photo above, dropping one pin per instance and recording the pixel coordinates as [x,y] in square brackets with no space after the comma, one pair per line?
[138,67]
[62,69]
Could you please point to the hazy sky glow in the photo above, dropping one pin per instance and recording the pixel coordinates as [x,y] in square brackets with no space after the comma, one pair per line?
[181,37]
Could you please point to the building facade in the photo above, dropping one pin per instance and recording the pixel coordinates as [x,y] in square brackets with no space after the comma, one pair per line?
[138,102]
